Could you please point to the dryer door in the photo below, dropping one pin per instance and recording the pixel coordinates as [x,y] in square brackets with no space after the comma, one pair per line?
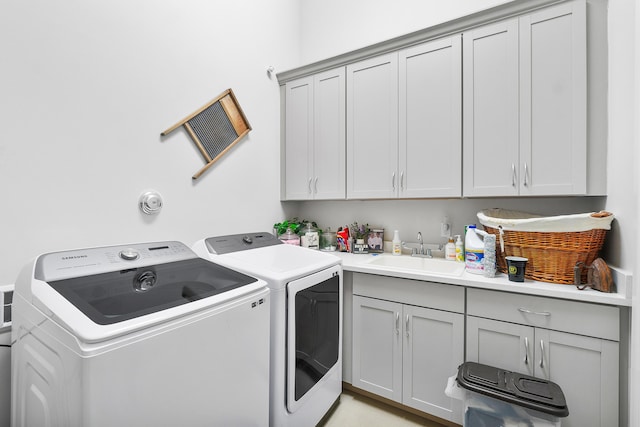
[314,333]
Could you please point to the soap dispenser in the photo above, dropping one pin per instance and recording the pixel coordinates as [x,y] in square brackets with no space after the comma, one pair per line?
[450,250]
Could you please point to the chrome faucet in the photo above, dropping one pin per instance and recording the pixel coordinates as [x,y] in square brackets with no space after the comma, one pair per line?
[421,249]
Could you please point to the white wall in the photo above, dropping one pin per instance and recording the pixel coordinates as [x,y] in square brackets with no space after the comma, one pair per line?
[86,89]
[333,27]
[622,189]
[635,319]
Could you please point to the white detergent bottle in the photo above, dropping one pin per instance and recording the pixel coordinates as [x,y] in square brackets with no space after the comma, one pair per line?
[396,249]
[473,251]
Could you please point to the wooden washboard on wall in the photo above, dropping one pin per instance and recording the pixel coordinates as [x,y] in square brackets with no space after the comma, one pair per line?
[215,128]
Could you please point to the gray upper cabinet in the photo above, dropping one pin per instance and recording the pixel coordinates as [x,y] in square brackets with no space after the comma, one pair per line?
[404,112]
[524,103]
[298,139]
[496,108]
[553,101]
[430,117]
[372,128]
[490,100]
[315,137]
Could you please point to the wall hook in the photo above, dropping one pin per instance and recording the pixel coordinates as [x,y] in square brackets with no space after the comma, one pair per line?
[270,71]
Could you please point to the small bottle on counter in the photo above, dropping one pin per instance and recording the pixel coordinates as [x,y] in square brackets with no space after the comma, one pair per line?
[450,250]
[396,244]
[459,249]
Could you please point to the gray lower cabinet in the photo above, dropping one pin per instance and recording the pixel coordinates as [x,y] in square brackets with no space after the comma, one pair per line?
[573,344]
[407,340]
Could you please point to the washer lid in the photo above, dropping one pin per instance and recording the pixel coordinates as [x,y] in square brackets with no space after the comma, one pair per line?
[113,297]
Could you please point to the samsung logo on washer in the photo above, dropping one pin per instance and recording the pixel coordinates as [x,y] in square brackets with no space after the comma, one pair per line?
[64,258]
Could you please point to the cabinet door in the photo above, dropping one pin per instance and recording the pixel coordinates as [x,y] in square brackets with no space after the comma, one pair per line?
[503,345]
[298,139]
[586,369]
[430,119]
[553,104]
[372,128]
[490,103]
[433,350]
[377,347]
[329,135]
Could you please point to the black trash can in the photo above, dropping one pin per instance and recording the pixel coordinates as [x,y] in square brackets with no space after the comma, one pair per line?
[495,397]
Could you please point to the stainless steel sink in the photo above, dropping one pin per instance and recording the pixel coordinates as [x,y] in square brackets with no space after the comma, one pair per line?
[424,265]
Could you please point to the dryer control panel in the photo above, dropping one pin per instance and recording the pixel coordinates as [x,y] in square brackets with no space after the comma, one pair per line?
[240,242]
[84,262]
[6,302]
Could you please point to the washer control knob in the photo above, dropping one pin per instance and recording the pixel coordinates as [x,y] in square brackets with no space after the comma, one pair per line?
[247,239]
[129,254]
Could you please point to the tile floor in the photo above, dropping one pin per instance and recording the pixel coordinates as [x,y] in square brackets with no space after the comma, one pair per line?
[355,410]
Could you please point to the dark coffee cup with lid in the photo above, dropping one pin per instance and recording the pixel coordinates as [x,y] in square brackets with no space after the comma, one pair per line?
[515,268]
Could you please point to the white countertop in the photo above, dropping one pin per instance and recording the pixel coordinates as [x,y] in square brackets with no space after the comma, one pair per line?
[360,263]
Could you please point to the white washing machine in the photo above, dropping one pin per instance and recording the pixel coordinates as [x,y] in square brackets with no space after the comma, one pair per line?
[306,320]
[5,376]
[6,297]
[139,335]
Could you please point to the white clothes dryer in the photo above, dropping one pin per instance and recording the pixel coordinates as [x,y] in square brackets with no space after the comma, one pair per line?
[146,335]
[306,320]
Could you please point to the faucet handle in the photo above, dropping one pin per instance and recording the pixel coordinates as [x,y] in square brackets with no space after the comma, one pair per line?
[419,237]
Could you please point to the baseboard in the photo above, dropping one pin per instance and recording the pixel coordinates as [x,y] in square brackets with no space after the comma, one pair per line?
[356,390]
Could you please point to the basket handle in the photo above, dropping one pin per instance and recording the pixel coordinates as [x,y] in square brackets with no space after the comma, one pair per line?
[501,238]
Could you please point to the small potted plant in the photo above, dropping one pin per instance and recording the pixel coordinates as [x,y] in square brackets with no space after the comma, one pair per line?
[359,232]
[290,230]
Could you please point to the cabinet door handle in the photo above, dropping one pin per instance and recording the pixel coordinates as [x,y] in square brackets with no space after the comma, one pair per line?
[526,350]
[539,313]
[397,323]
[309,185]
[513,175]
[315,185]
[526,174]
[393,181]
[541,354]
[406,325]
[402,180]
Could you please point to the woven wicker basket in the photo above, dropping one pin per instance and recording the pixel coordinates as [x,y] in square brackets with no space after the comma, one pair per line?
[552,254]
